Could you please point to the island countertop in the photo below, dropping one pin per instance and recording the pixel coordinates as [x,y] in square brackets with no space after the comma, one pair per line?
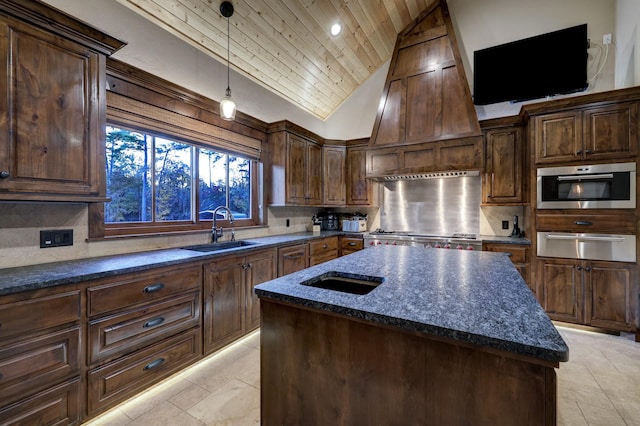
[472,297]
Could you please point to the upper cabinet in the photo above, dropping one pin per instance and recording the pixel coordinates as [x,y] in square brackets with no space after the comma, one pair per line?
[504,150]
[334,175]
[52,105]
[585,134]
[358,186]
[295,166]
[426,102]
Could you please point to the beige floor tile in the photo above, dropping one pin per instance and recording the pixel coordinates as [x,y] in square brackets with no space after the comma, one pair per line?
[236,403]
[155,396]
[569,413]
[112,418]
[189,397]
[601,416]
[166,414]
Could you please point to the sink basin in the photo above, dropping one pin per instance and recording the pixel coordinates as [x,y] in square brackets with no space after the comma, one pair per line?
[345,282]
[219,246]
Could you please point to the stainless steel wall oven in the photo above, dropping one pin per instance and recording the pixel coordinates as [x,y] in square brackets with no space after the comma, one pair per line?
[599,186]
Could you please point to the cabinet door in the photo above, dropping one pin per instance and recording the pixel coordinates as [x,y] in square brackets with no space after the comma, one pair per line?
[558,137]
[314,174]
[358,187]
[610,299]
[611,131]
[223,302]
[50,138]
[296,170]
[261,267]
[292,259]
[504,166]
[334,176]
[561,283]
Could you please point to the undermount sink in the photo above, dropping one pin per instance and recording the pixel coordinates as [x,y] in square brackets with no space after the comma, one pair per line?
[345,282]
[219,246]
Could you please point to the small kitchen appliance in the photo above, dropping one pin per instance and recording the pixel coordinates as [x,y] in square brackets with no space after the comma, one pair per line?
[330,221]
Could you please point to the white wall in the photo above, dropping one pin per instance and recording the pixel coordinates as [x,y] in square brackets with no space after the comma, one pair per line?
[627,42]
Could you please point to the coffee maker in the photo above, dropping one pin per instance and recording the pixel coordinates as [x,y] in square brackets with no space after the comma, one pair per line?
[329,221]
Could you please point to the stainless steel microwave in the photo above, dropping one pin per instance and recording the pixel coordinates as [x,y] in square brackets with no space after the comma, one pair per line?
[598,186]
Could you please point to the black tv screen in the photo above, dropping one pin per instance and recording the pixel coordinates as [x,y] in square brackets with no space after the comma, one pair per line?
[545,65]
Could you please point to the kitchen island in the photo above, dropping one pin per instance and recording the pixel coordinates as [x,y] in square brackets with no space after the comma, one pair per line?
[449,337]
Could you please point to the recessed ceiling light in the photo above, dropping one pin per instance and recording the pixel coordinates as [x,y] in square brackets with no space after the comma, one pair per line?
[335,29]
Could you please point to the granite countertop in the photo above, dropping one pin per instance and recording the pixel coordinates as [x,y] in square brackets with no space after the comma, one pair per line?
[474,297]
[33,277]
[504,239]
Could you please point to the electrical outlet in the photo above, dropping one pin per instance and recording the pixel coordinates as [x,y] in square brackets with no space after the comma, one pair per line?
[505,224]
[288,223]
[56,238]
[606,39]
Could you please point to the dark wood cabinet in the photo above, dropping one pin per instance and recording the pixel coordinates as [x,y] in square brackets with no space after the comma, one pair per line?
[41,356]
[323,250]
[350,245]
[358,186]
[596,293]
[261,267]
[504,167]
[519,255]
[334,175]
[141,328]
[231,308]
[585,134]
[292,259]
[294,162]
[53,102]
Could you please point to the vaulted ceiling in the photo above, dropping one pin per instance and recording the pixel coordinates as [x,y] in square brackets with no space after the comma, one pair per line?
[286,45]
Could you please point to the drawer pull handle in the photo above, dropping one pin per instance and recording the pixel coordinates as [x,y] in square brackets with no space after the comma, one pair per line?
[153,288]
[352,244]
[509,254]
[293,256]
[582,222]
[154,364]
[153,322]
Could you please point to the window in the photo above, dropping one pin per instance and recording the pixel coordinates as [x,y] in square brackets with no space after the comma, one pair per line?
[157,184]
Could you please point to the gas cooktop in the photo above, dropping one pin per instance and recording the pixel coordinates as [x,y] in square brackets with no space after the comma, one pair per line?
[458,235]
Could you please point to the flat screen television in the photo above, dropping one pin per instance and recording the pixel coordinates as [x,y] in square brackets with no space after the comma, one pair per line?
[545,65]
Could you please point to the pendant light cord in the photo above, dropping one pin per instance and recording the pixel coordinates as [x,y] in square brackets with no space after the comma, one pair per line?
[228,55]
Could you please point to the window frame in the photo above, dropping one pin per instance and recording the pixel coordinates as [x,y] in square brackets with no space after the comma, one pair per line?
[121,229]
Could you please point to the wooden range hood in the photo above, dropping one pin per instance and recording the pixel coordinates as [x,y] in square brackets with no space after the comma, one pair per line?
[426,121]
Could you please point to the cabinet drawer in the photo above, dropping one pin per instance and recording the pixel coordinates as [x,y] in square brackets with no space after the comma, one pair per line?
[322,246]
[126,332]
[36,314]
[59,405]
[324,257]
[128,290]
[117,381]
[36,362]
[517,253]
[587,223]
[348,243]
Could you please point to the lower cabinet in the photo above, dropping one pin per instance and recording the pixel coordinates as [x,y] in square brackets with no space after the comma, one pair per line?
[596,293]
[293,259]
[141,328]
[230,307]
[40,357]
[350,245]
[323,250]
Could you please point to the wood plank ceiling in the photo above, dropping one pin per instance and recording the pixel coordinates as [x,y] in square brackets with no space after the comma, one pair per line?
[286,45]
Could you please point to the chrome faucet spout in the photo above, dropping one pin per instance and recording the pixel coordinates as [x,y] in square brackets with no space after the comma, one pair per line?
[217,233]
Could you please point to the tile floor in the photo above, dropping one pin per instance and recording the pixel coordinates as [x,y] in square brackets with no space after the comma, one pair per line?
[600,385]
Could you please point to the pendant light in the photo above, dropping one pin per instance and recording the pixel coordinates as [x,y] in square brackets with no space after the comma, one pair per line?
[227,105]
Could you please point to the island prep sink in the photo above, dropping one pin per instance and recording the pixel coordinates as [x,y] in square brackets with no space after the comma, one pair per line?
[345,282]
[219,246]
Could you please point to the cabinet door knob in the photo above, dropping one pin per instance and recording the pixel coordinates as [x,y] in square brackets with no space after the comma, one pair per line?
[579,152]
[579,268]
[588,151]
[588,268]
[4,174]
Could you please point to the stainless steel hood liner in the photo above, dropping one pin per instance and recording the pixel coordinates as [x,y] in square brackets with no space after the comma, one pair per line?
[434,206]
[431,175]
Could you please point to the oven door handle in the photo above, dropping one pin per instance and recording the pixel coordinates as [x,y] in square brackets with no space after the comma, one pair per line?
[585,177]
[590,238]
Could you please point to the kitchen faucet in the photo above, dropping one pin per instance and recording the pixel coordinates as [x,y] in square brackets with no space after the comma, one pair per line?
[217,233]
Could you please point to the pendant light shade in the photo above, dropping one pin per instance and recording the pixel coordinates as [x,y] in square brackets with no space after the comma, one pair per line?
[227,105]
